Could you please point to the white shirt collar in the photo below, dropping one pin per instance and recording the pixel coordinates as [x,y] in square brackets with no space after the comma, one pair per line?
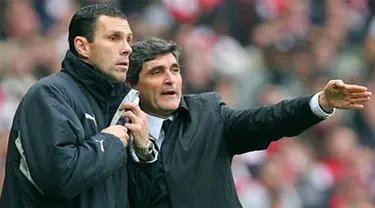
[155,124]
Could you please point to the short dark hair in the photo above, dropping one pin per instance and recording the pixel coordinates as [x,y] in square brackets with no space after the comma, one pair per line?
[148,50]
[84,20]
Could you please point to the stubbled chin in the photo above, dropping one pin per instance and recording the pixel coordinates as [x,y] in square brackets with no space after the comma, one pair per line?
[170,109]
[119,76]
[170,106]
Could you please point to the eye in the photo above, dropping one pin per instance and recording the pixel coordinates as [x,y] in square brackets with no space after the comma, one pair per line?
[155,71]
[176,70]
[129,39]
[113,38]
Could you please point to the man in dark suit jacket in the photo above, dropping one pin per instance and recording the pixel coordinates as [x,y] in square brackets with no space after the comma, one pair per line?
[198,134]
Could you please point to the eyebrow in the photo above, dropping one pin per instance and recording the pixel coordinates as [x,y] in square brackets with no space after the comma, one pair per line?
[176,65]
[157,67]
[162,66]
[120,32]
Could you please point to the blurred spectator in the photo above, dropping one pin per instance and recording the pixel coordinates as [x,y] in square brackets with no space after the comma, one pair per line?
[16,26]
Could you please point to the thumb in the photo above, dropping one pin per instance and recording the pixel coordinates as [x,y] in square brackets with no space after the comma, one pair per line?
[338,83]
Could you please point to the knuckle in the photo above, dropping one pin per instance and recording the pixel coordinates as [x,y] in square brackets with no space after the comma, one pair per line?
[138,127]
[143,117]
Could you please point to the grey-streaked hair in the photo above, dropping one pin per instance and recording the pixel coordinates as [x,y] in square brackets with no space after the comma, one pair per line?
[148,50]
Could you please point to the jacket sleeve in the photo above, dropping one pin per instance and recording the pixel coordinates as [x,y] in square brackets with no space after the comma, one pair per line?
[142,178]
[61,161]
[255,129]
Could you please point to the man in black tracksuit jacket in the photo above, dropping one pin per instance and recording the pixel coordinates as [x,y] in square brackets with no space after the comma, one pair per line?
[204,134]
[61,151]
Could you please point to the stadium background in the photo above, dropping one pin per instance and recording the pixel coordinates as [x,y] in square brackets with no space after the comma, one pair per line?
[254,52]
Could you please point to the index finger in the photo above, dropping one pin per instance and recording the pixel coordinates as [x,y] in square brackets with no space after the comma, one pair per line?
[133,107]
[355,88]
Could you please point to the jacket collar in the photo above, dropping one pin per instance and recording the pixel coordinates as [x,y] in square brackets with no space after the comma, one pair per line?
[91,78]
[183,108]
[183,104]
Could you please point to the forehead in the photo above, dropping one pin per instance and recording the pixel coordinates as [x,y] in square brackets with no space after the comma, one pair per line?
[165,60]
[106,24]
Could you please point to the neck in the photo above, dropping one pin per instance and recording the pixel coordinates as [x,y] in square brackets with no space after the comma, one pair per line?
[152,112]
[158,115]
[163,115]
[83,59]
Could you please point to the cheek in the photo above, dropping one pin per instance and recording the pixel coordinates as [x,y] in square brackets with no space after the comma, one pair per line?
[179,83]
[147,92]
[150,88]
[154,97]
[104,57]
[97,58]
[107,57]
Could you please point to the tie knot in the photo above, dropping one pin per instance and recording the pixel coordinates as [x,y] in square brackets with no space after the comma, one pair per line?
[166,125]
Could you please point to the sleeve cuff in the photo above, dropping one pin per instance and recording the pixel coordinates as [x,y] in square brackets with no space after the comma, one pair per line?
[317,110]
[151,158]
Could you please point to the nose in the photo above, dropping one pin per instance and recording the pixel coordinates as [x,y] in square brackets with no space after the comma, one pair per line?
[126,49]
[169,77]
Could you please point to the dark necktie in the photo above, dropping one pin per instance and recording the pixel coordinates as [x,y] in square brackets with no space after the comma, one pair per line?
[160,197]
[165,126]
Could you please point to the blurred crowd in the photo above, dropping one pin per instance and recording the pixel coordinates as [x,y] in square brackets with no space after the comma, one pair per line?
[254,52]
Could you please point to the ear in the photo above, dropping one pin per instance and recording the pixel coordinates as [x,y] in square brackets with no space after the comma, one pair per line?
[81,45]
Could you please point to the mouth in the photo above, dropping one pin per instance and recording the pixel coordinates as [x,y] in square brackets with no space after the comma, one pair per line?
[123,64]
[169,93]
